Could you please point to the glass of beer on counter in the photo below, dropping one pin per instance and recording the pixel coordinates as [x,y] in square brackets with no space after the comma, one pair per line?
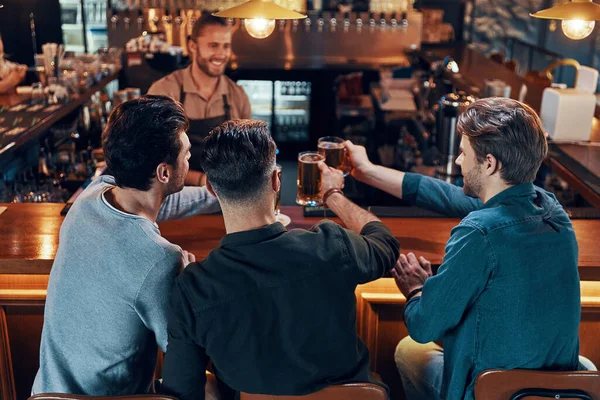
[278,198]
[309,178]
[336,155]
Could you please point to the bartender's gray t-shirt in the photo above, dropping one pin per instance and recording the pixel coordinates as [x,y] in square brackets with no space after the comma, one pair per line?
[107,301]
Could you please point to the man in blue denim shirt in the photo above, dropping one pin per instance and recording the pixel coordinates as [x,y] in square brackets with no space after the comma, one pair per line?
[507,293]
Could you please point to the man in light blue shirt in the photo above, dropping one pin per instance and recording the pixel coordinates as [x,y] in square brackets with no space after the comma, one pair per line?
[107,301]
[507,293]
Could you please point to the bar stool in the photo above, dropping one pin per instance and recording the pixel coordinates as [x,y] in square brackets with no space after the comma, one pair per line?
[495,384]
[63,396]
[349,391]
[7,381]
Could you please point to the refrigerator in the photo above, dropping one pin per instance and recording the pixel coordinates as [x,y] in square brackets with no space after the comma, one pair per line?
[284,106]
[72,16]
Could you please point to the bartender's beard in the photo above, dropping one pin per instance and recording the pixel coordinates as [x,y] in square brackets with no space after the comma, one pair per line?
[207,66]
[472,182]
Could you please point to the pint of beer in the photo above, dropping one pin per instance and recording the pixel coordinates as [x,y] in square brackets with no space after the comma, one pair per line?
[278,198]
[309,178]
[336,156]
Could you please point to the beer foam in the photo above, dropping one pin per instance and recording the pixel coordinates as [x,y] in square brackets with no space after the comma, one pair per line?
[330,145]
[311,158]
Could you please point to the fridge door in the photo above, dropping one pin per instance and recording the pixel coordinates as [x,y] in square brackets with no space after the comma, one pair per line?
[260,94]
[292,111]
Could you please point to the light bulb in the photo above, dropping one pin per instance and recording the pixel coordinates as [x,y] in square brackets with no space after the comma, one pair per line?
[577,29]
[259,28]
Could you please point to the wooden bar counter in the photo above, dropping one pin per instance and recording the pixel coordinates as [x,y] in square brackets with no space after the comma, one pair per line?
[29,241]
[29,237]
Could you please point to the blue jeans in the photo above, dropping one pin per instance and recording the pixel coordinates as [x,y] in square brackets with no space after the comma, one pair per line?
[421,367]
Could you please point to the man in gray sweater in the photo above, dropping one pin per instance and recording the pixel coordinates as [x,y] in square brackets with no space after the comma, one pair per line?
[107,302]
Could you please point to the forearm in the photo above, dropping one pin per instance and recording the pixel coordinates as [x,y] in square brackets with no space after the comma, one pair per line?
[188,202]
[386,179]
[354,217]
[8,84]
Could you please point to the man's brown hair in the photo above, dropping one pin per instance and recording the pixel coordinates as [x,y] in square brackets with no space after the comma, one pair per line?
[206,19]
[510,131]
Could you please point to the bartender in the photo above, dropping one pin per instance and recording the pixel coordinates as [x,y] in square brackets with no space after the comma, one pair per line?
[208,96]
[11,74]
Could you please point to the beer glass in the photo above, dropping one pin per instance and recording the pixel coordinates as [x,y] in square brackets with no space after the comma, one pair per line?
[278,197]
[336,155]
[279,217]
[309,178]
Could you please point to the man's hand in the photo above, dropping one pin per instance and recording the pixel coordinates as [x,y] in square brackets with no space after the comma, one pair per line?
[359,160]
[331,178]
[410,273]
[187,258]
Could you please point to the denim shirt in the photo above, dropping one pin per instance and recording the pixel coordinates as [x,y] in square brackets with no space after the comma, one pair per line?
[507,293]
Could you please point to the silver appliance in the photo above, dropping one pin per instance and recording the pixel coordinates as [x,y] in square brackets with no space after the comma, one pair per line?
[448,139]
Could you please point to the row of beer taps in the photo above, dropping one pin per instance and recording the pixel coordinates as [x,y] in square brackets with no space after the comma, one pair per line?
[320,19]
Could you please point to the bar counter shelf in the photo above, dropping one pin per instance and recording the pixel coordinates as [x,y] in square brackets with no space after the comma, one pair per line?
[31,125]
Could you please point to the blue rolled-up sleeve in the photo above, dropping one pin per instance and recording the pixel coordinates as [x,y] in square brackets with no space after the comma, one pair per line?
[437,195]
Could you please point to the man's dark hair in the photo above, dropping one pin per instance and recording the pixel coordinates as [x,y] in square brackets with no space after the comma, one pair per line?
[239,159]
[141,134]
[510,131]
[206,19]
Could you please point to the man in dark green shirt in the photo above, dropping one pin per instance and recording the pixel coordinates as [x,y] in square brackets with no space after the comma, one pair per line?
[274,310]
[507,293]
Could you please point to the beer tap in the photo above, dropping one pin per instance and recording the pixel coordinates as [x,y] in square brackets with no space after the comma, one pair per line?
[394,21]
[346,21]
[178,19]
[295,26]
[382,22]
[320,21]
[167,17]
[404,20]
[371,21]
[126,20]
[281,25]
[140,19]
[359,22]
[114,19]
[332,22]
[307,24]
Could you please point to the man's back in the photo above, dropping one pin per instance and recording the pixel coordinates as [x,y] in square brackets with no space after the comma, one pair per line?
[275,311]
[507,295]
[104,310]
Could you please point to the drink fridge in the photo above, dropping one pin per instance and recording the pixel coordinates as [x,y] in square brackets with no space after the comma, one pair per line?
[285,107]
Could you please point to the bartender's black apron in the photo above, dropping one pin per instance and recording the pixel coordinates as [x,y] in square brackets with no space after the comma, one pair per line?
[200,128]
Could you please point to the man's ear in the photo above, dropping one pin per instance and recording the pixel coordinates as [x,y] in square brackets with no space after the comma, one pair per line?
[491,164]
[275,181]
[210,188]
[163,172]
[192,46]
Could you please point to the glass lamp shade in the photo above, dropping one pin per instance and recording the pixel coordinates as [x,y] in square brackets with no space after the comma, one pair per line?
[577,29]
[259,28]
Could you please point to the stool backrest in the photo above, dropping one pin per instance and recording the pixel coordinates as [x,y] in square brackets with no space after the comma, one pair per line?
[350,391]
[63,396]
[517,384]
[7,382]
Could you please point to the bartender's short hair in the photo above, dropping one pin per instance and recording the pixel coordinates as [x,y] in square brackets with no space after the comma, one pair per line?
[140,135]
[509,130]
[239,159]
[206,19]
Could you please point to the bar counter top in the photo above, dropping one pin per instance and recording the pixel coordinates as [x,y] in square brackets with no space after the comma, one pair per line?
[29,236]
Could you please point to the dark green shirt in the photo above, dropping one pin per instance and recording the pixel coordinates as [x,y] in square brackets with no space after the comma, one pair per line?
[275,311]
[507,293]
